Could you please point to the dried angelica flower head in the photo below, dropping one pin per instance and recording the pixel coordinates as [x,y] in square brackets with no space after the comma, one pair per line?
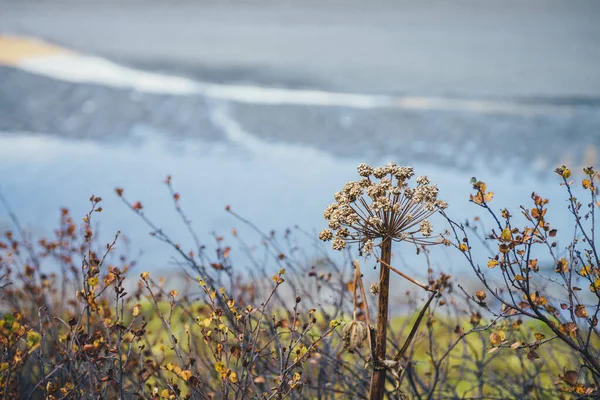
[382,205]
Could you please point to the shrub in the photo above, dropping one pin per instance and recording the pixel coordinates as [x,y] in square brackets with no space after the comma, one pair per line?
[79,323]
[556,286]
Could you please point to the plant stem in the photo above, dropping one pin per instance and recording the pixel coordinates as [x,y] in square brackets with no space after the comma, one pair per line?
[378,377]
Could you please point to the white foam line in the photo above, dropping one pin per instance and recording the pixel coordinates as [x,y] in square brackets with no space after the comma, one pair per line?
[94,70]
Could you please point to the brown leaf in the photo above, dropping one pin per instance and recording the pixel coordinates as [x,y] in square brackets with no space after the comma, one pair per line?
[495,339]
[480,295]
[570,378]
[532,355]
[570,327]
[475,318]
[516,345]
[236,351]
[283,323]
[580,311]
[226,252]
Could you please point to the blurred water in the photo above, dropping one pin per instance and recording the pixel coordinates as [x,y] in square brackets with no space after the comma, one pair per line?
[276,186]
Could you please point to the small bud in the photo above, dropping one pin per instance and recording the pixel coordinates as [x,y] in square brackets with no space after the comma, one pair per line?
[374,289]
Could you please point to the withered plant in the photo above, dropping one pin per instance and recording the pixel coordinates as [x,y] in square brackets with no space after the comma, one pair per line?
[532,275]
[375,211]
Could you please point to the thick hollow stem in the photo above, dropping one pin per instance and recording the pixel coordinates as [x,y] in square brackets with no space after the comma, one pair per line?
[378,377]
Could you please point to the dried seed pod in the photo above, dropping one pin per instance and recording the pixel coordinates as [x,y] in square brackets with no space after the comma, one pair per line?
[354,334]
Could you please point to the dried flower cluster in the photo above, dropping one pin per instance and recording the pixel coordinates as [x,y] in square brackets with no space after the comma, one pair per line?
[382,205]
[354,334]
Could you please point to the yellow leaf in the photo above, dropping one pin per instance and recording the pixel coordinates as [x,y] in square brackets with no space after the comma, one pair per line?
[144,276]
[350,286]
[220,367]
[506,235]
[136,309]
[533,264]
[585,271]
[562,266]
[463,247]
[33,338]
[93,281]
[233,377]
[492,263]
[539,336]
[185,375]
[586,183]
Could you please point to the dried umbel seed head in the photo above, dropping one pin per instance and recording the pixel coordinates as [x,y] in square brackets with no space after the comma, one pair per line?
[374,289]
[354,334]
[382,205]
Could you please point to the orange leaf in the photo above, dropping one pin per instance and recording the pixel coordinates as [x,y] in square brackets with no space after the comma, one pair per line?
[580,311]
